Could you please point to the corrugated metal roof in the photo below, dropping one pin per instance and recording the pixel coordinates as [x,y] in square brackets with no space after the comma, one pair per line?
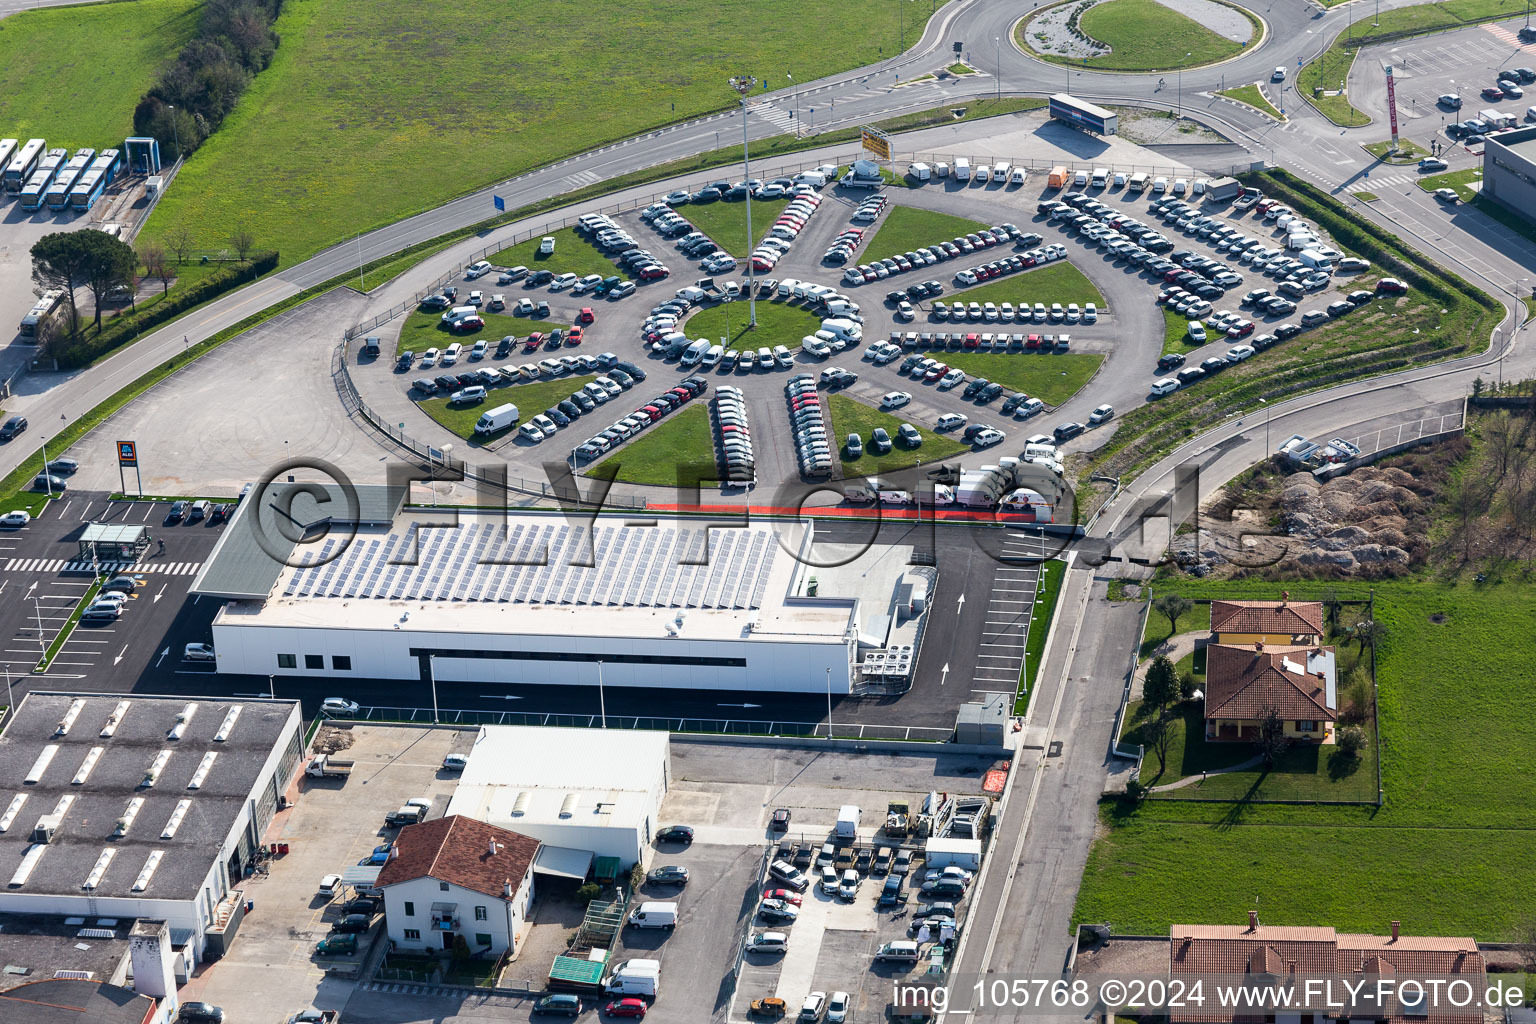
[574,970]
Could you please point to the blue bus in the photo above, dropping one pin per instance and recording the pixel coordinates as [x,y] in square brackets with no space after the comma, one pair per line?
[110,163]
[47,167]
[87,190]
[57,195]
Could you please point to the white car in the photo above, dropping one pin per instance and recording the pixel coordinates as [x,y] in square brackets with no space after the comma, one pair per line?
[1196,330]
[1101,413]
[339,706]
[837,1007]
[546,245]
[429,357]
[951,379]
[477,269]
[894,399]
[476,298]
[1279,75]
[16,519]
[987,438]
[1237,353]
[1165,386]
[951,421]
[198,652]
[562,282]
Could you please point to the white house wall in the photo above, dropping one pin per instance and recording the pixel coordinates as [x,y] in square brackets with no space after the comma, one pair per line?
[423,892]
[599,840]
[772,667]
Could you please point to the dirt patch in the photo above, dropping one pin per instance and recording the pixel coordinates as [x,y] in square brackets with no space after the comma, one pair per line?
[1438,618]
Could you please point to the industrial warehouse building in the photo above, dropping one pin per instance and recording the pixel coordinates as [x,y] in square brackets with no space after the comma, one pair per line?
[1509,170]
[138,807]
[533,598]
[586,794]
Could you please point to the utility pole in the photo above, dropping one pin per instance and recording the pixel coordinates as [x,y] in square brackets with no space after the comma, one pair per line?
[999,93]
[829,691]
[602,701]
[1181,88]
[744,84]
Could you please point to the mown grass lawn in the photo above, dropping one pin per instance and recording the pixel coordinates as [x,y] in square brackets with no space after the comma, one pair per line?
[906,227]
[1051,378]
[778,323]
[73,75]
[425,329]
[850,416]
[372,112]
[573,255]
[1144,35]
[1252,95]
[726,223]
[1052,575]
[1462,181]
[1176,338]
[1456,701]
[1408,151]
[531,399]
[685,438]
[1054,282]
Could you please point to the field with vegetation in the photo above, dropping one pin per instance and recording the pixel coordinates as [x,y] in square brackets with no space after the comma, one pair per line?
[778,323]
[1441,317]
[726,223]
[1054,282]
[1252,95]
[371,113]
[1456,699]
[1144,35]
[907,227]
[1051,378]
[850,416]
[72,75]
[573,255]
[685,438]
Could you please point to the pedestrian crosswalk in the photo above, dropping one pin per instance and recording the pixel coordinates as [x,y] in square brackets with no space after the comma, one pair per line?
[780,119]
[581,178]
[45,565]
[1507,37]
[1390,179]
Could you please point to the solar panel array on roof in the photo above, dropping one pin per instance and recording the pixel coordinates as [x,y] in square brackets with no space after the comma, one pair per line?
[645,567]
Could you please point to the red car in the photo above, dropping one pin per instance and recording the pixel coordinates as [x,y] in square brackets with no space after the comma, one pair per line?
[786,895]
[531,344]
[574,336]
[1391,285]
[654,273]
[630,1007]
[586,316]
[468,323]
[1033,341]
[535,339]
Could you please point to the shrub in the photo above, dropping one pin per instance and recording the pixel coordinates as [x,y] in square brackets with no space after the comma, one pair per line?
[1351,740]
[587,893]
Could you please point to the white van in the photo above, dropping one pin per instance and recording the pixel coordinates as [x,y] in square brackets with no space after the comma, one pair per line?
[899,952]
[499,418]
[1080,179]
[1100,177]
[815,179]
[941,169]
[1138,182]
[694,352]
[844,329]
[962,169]
[627,984]
[983,174]
[1018,176]
[459,313]
[787,287]
[1000,172]
[655,915]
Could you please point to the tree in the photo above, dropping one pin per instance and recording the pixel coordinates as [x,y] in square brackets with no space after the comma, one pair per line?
[179,241]
[1159,736]
[59,261]
[1369,631]
[1351,740]
[1187,685]
[112,263]
[1357,695]
[1161,686]
[156,264]
[1271,741]
[1174,607]
[242,241]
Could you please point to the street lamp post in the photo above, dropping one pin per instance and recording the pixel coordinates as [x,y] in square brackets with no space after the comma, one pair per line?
[1268,411]
[794,88]
[1181,88]
[42,642]
[999,92]
[743,84]
[47,476]
[10,700]
[432,678]
[829,704]
[175,132]
[602,701]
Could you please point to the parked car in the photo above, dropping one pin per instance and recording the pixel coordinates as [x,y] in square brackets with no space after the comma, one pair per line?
[675,834]
[668,874]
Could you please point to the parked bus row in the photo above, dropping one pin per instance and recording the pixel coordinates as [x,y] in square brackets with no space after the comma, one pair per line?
[43,176]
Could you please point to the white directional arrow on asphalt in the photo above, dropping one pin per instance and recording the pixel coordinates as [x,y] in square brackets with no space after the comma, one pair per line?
[123,652]
[498,696]
[738,705]
[944,674]
[960,604]
[162,657]
[160,593]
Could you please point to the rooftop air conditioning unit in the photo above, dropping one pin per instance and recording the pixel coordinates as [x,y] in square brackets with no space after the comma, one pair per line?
[46,826]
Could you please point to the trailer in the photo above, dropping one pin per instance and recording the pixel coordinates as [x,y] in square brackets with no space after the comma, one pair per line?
[87,190]
[32,192]
[1223,188]
[1082,114]
[23,164]
[57,195]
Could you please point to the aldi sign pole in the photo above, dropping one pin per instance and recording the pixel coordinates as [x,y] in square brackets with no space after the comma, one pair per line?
[128,455]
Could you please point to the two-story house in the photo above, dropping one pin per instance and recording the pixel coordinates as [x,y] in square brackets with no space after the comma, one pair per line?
[1243,683]
[457,876]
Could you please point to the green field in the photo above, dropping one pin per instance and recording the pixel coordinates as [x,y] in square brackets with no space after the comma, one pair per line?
[1051,378]
[1055,282]
[906,227]
[573,255]
[1254,96]
[726,223]
[1456,701]
[370,113]
[1144,35]
[853,417]
[73,75]
[1177,338]
[1462,181]
[531,399]
[685,438]
[777,324]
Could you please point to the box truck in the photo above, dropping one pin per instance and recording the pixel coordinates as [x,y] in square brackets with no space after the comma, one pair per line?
[847,822]
[499,418]
[1058,177]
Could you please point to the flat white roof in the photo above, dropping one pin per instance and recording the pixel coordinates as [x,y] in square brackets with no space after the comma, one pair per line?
[529,575]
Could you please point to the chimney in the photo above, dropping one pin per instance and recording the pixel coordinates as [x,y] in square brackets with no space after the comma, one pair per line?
[149,950]
[1290,967]
[1285,595]
[1395,925]
[1253,920]
[492,850]
[1258,646]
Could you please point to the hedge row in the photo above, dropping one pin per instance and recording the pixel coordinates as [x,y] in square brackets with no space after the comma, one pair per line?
[79,351]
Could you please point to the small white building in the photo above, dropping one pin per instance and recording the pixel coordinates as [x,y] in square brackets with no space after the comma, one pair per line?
[583,793]
[456,876]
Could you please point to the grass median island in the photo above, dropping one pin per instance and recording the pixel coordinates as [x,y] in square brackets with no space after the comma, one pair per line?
[686,438]
[1144,35]
[1054,282]
[850,416]
[1052,575]
[1454,706]
[1407,152]
[531,399]
[1177,338]
[1051,378]
[906,227]
[726,222]
[778,323]
[73,75]
[370,113]
[1462,181]
[425,329]
[1252,95]
[573,255]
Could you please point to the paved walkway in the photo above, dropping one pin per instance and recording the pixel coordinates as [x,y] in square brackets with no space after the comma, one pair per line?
[1189,780]
[1176,648]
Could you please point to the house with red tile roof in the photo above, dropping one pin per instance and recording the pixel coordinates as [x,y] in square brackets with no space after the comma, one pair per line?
[456,876]
[1262,955]
[1276,623]
[1242,683]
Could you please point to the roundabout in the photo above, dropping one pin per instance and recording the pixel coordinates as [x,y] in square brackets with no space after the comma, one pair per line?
[1139,36]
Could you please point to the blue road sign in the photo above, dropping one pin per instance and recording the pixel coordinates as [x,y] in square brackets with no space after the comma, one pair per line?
[501,204]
